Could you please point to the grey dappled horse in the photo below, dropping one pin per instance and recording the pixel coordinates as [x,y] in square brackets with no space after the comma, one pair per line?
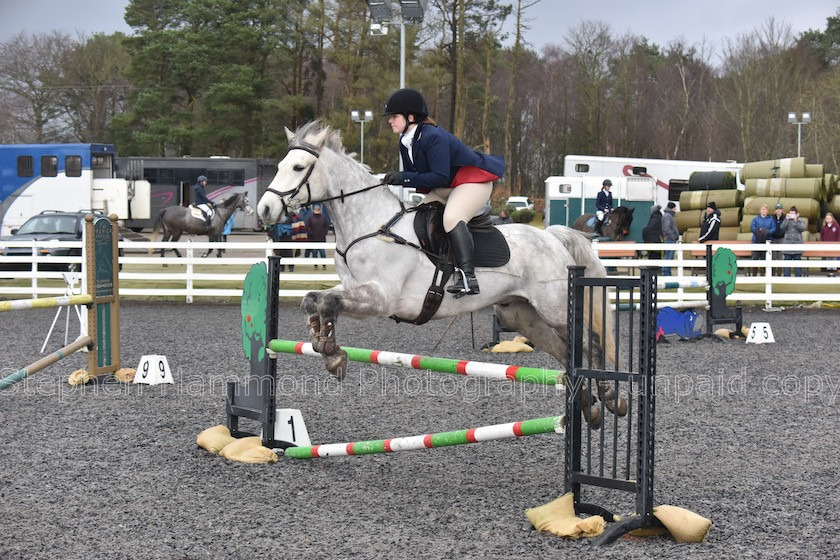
[618,227]
[382,279]
[177,220]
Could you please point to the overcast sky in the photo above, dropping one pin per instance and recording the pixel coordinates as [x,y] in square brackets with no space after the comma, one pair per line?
[661,21]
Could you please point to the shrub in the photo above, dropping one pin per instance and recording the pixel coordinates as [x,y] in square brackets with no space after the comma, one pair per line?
[523,216]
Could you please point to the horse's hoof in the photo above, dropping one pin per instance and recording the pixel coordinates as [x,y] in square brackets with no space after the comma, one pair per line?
[592,415]
[328,346]
[620,410]
[337,364]
[608,394]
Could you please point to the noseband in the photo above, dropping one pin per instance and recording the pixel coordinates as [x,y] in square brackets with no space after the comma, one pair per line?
[303,182]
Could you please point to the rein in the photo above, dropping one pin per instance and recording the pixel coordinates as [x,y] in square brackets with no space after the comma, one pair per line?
[384,231]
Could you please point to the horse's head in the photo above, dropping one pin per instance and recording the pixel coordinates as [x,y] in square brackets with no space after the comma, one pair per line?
[622,217]
[242,203]
[299,180]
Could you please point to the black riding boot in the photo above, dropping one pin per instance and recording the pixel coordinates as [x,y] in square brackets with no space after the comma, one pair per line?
[462,245]
[598,227]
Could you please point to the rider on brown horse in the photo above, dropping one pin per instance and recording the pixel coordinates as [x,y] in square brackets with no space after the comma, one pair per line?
[603,206]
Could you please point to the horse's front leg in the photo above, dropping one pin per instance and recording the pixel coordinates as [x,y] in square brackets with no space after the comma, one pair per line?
[322,310]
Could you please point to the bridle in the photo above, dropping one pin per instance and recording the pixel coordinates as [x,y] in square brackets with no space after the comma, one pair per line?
[384,231]
[291,193]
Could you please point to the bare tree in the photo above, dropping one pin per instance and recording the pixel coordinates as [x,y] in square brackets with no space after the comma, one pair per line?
[31,76]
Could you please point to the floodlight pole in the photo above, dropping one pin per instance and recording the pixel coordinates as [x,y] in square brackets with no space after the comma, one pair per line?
[794,118]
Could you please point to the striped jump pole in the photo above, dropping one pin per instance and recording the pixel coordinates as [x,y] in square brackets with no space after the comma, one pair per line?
[35,367]
[441,365]
[664,284]
[430,441]
[697,304]
[43,303]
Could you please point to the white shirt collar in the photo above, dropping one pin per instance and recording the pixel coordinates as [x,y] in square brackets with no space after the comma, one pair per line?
[407,139]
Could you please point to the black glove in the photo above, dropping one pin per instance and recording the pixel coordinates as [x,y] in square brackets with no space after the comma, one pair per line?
[394,178]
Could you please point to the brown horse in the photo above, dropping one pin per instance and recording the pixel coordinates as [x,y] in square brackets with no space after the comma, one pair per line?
[176,220]
[616,229]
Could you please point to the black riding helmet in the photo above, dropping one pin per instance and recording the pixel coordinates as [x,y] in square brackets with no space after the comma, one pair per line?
[404,102]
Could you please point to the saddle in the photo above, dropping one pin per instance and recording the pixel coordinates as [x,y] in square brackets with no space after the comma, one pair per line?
[196,212]
[491,250]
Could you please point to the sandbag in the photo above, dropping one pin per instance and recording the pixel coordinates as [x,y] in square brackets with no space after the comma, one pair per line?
[696,200]
[792,188]
[807,207]
[684,525]
[711,180]
[215,439]
[729,217]
[558,517]
[786,167]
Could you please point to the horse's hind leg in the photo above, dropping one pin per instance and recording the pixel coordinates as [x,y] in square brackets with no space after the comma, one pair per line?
[521,316]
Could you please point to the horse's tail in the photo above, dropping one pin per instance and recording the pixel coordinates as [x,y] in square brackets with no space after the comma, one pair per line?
[580,248]
[158,224]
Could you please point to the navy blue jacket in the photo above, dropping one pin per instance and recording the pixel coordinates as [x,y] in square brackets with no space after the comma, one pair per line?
[200,195]
[604,201]
[438,156]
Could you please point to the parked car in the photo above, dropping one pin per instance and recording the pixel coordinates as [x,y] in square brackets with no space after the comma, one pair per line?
[520,203]
[49,225]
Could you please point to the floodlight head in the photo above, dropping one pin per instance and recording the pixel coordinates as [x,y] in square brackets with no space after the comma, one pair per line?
[413,10]
[792,118]
[368,115]
[806,118]
[377,29]
[354,115]
[380,10]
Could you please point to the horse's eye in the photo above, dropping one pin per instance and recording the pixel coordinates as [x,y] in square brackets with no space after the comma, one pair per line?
[298,168]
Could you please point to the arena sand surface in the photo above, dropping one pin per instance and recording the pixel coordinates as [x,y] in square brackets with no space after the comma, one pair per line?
[745,435]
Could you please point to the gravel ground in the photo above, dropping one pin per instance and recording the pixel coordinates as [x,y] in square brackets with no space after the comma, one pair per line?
[743,436]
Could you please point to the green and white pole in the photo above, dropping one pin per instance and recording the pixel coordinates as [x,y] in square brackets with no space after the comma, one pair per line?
[441,365]
[511,430]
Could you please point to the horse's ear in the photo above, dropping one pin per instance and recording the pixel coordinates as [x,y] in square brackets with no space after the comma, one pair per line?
[289,134]
[319,139]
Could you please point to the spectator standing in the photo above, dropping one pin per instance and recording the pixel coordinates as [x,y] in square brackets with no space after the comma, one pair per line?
[317,226]
[793,227]
[778,236]
[281,232]
[228,229]
[503,218]
[830,232]
[710,230]
[762,227]
[652,232]
[670,233]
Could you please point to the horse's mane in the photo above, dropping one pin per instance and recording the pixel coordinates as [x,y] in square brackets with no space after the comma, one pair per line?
[229,200]
[333,139]
[313,128]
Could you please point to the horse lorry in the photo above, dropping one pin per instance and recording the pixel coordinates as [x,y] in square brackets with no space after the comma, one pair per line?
[66,177]
[637,183]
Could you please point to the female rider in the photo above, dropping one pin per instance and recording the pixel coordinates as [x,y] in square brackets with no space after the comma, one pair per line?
[442,167]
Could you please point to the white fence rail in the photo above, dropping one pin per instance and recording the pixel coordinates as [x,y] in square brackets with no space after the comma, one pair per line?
[192,277]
